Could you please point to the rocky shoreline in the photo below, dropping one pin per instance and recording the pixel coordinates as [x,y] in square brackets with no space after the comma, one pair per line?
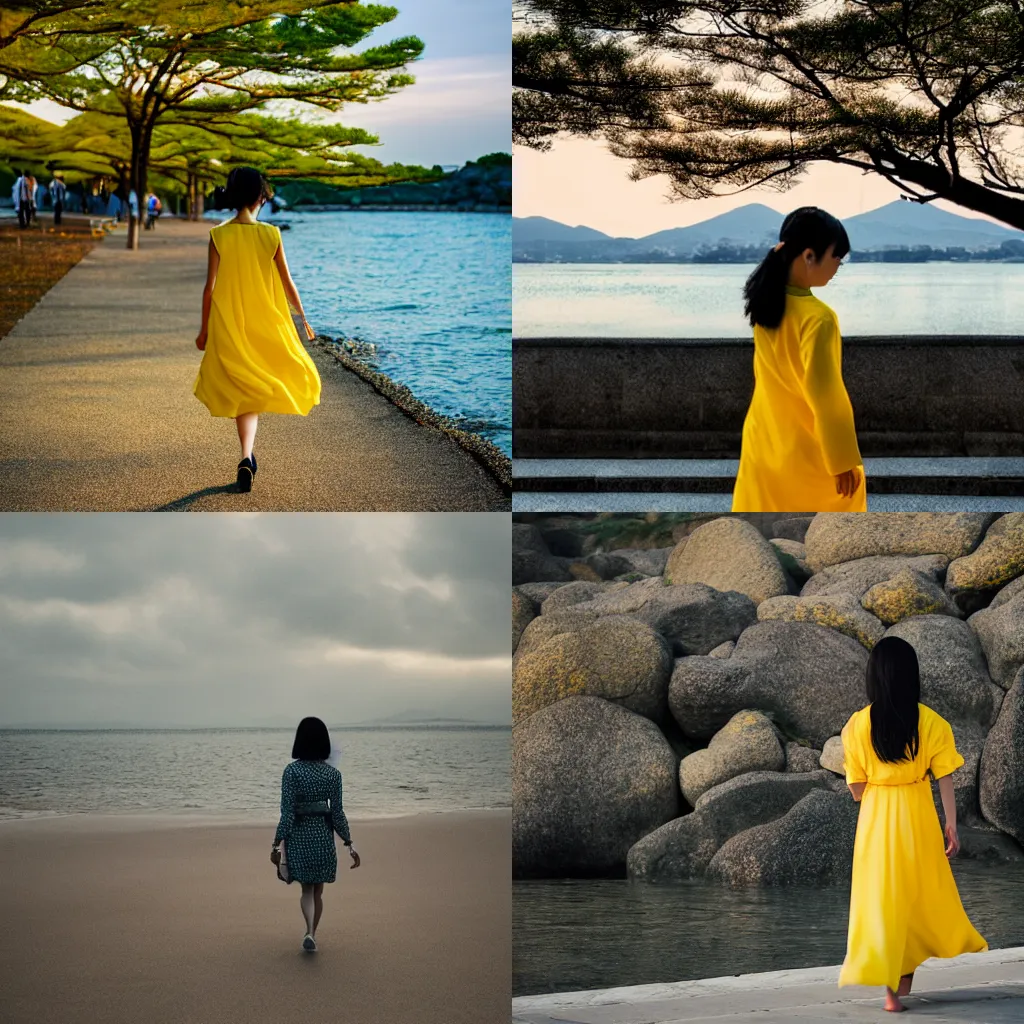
[677,710]
[488,454]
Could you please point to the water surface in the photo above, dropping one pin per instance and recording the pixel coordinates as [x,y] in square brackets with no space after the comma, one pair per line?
[569,935]
[237,772]
[706,300]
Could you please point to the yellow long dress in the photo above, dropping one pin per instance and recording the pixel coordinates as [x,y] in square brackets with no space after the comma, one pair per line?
[904,904]
[798,434]
[254,360]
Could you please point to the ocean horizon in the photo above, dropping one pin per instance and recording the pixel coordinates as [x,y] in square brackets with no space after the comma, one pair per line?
[387,771]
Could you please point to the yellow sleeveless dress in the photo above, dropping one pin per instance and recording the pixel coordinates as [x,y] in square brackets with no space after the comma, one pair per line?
[904,904]
[254,360]
[798,434]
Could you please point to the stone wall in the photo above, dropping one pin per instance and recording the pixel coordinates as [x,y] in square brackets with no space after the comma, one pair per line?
[607,398]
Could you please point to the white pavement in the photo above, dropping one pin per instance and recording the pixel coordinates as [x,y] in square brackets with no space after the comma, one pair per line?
[978,988]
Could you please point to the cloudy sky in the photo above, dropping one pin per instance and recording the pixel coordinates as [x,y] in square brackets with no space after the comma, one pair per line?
[460,107]
[231,619]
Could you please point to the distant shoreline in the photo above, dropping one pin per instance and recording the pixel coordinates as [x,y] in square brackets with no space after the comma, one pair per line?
[732,263]
[393,207]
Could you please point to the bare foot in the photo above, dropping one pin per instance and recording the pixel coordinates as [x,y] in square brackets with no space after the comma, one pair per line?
[892,1003]
[905,983]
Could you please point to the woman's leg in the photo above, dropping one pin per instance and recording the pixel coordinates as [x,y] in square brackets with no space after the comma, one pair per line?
[905,984]
[246,423]
[892,1002]
[306,903]
[318,905]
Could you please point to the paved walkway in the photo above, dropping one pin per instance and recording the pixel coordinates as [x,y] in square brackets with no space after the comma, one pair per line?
[97,411]
[979,988]
[639,501]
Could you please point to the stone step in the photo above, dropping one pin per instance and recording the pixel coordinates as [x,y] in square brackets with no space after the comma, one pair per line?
[941,476]
[662,501]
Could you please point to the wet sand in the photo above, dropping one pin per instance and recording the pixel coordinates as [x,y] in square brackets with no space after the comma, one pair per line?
[122,919]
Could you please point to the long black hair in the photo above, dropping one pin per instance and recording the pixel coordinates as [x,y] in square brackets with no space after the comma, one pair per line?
[894,689]
[312,741]
[806,228]
[245,187]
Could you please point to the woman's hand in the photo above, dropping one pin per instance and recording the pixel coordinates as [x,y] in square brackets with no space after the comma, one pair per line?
[201,340]
[355,858]
[310,333]
[952,841]
[275,856]
[848,482]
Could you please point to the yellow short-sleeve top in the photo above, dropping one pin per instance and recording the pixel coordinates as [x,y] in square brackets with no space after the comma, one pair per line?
[936,751]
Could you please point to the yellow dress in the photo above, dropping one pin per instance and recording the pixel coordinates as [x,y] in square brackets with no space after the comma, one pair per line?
[798,434]
[254,360]
[904,904]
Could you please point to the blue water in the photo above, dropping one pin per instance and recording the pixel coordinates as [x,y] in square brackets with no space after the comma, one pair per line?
[236,773]
[706,300]
[432,292]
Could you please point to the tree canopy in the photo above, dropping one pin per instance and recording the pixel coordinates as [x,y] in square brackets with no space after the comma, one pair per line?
[928,94]
[206,65]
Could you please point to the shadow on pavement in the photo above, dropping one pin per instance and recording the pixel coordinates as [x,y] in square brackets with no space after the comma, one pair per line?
[181,504]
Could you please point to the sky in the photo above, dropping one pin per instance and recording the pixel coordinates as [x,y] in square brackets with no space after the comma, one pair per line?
[578,182]
[460,107]
[126,620]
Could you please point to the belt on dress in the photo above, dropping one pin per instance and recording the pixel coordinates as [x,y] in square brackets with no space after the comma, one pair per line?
[314,808]
[894,785]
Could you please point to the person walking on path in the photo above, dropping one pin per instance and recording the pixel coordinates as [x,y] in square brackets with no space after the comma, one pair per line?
[311,813]
[58,190]
[153,208]
[253,360]
[799,446]
[904,904]
[20,194]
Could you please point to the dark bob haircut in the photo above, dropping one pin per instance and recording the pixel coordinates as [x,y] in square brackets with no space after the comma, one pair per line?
[246,186]
[312,741]
[806,228]
[894,689]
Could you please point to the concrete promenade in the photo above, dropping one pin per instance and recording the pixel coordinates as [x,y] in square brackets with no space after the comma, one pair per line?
[97,410]
[979,988]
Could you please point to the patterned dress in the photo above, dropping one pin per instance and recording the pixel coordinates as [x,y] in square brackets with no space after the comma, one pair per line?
[309,838]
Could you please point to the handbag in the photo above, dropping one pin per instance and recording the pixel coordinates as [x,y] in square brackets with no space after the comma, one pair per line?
[282,866]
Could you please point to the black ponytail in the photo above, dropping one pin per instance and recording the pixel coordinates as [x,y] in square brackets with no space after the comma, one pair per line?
[894,689]
[245,187]
[806,228]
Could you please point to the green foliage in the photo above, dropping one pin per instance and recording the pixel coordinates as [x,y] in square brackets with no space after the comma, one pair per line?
[493,160]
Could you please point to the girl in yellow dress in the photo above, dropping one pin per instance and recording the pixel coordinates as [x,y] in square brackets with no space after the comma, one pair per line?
[253,360]
[904,904]
[799,449]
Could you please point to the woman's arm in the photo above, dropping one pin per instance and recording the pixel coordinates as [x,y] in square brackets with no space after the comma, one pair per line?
[284,828]
[949,812]
[290,291]
[857,789]
[338,820]
[212,264]
[827,396]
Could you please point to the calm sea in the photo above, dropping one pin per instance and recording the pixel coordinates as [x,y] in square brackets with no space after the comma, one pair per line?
[237,772]
[706,301]
[431,292]
[572,935]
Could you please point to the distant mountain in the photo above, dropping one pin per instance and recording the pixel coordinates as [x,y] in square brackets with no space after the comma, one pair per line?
[540,229]
[420,718]
[745,233]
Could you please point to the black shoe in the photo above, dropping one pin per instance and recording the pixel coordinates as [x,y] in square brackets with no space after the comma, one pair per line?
[252,459]
[246,471]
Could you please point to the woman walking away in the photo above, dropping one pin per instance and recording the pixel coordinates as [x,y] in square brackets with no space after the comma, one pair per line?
[904,904]
[799,450]
[253,360]
[311,812]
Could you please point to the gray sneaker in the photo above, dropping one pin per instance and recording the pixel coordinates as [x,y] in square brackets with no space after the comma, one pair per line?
[309,943]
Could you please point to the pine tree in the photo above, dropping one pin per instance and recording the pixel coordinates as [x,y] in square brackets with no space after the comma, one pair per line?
[928,94]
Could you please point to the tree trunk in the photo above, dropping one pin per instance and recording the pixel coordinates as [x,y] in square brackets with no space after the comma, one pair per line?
[141,137]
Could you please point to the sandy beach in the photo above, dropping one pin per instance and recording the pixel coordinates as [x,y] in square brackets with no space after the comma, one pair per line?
[125,918]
